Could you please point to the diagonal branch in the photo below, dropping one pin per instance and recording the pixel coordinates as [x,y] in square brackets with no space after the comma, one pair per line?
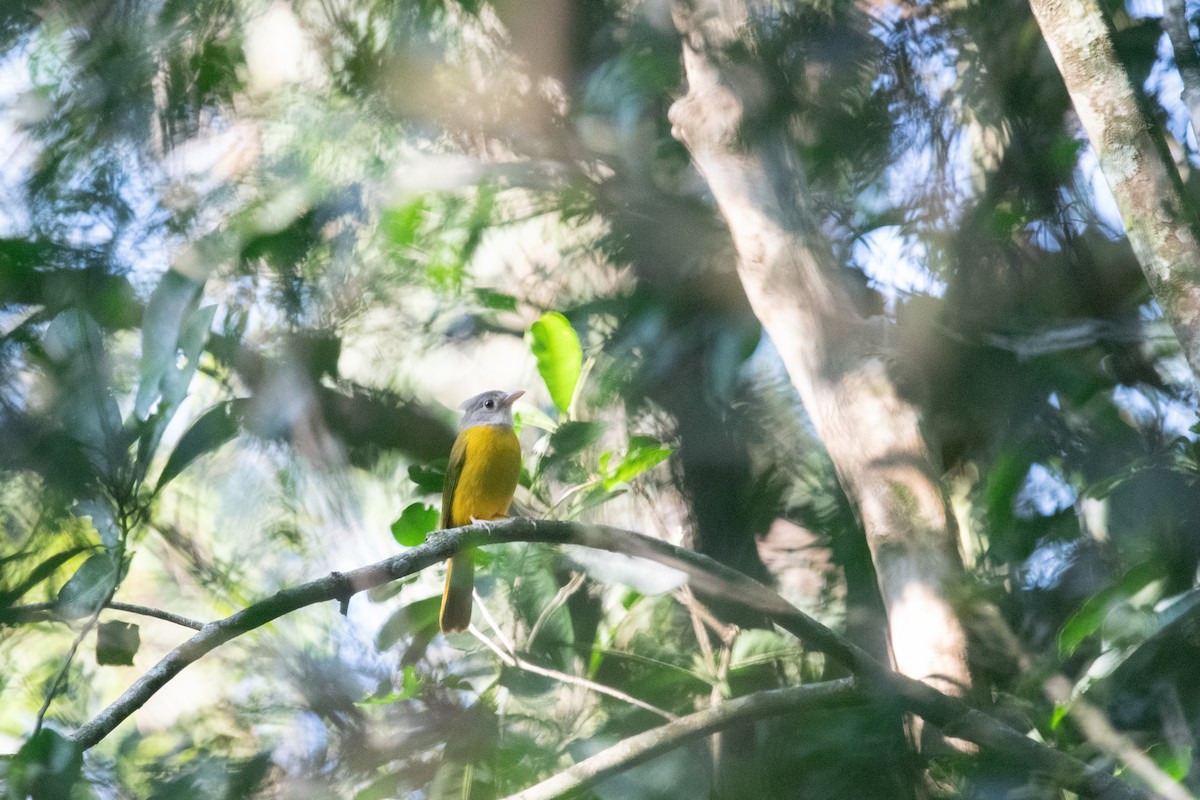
[1187,60]
[707,578]
[656,741]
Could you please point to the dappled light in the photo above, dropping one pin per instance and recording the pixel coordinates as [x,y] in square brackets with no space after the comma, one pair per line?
[841,360]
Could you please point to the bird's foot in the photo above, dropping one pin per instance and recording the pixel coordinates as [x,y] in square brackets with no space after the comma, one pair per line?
[486,524]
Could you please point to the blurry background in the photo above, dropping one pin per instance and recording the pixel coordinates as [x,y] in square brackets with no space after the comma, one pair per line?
[254,254]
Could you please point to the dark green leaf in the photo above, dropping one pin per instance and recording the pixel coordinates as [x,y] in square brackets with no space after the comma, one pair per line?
[170,304]
[89,587]
[497,301]
[117,643]
[1091,615]
[430,477]
[418,618]
[215,427]
[47,767]
[559,356]
[40,573]
[571,437]
[414,524]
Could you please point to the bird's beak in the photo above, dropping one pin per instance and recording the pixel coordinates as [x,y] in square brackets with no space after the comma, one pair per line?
[512,397]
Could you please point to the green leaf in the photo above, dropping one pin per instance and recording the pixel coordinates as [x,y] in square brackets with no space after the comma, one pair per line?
[170,305]
[571,437]
[46,766]
[418,618]
[1091,615]
[40,573]
[534,417]
[643,453]
[117,643]
[414,524]
[559,356]
[89,587]
[411,685]
[497,301]
[430,477]
[213,428]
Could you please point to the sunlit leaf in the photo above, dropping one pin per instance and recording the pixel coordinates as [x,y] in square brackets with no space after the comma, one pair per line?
[643,453]
[414,524]
[559,356]
[411,686]
[497,301]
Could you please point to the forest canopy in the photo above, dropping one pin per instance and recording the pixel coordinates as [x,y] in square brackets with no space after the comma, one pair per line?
[858,344]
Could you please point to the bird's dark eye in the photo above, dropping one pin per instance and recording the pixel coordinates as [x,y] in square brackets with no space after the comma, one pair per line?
[489,403]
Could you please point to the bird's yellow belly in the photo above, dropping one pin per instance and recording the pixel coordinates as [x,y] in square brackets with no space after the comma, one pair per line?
[490,471]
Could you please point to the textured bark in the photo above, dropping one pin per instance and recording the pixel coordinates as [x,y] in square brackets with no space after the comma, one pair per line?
[1175,23]
[1159,225]
[835,359]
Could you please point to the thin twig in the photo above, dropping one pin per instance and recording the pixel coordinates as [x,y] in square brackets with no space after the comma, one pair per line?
[571,587]
[515,661]
[638,749]
[49,610]
[52,691]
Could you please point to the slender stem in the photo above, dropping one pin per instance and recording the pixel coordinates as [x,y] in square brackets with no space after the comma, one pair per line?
[638,749]
[515,661]
[35,611]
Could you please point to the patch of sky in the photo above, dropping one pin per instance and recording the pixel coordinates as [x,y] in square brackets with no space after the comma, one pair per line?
[1044,493]
[894,263]
[1152,409]
[1046,564]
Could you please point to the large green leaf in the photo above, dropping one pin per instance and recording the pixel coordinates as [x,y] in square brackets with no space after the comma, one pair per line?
[46,766]
[89,587]
[170,305]
[559,356]
[215,427]
[117,643]
[414,524]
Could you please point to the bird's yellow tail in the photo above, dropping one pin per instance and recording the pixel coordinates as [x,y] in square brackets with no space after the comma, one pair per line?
[457,595]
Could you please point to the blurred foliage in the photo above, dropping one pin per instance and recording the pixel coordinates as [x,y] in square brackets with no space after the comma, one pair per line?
[252,254]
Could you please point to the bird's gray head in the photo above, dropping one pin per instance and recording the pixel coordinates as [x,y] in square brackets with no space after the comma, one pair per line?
[489,408]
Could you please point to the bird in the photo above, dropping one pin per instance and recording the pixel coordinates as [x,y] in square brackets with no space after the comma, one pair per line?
[485,465]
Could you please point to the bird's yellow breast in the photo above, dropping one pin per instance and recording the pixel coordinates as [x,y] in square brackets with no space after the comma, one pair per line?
[488,458]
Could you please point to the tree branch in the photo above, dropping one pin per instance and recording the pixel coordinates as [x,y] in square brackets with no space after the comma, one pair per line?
[656,741]
[1145,184]
[34,612]
[707,578]
[1187,61]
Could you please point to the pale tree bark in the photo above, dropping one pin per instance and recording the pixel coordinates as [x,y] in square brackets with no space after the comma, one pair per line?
[1160,227]
[836,359]
[1187,60]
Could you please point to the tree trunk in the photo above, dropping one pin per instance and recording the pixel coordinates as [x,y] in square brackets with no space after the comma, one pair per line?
[835,359]
[1160,228]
